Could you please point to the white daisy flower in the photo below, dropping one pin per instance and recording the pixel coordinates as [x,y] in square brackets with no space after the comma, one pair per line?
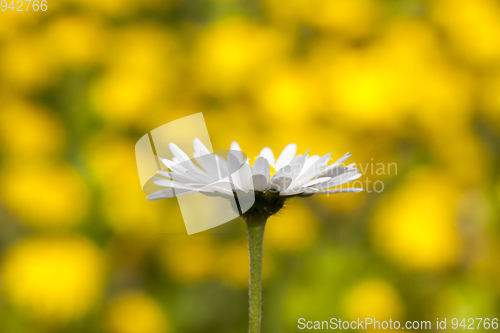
[269,182]
[288,175]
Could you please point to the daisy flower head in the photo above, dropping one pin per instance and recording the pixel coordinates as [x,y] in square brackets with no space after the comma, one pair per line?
[266,180]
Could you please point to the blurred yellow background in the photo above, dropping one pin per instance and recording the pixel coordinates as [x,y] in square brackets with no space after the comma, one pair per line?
[411,82]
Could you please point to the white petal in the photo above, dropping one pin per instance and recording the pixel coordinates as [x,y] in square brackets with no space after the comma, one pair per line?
[341,190]
[222,186]
[317,181]
[339,162]
[261,167]
[178,153]
[215,166]
[286,156]
[260,183]
[314,170]
[173,184]
[184,160]
[194,177]
[297,165]
[341,179]
[233,163]
[188,176]
[286,171]
[209,163]
[241,173]
[342,159]
[310,160]
[167,193]
[165,174]
[288,192]
[333,172]
[245,173]
[182,178]
[280,183]
[199,147]
[293,189]
[236,150]
[222,167]
[268,154]
[173,165]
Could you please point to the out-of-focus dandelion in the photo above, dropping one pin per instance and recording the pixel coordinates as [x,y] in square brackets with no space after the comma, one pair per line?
[26,63]
[373,298]
[473,28]
[29,131]
[75,40]
[271,180]
[56,193]
[53,278]
[416,227]
[229,53]
[135,312]
[141,68]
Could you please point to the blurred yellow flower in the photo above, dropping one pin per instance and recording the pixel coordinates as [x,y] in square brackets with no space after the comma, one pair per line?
[25,62]
[75,40]
[350,18]
[429,87]
[360,87]
[29,130]
[140,71]
[124,97]
[55,194]
[373,298]
[472,26]
[353,18]
[144,48]
[415,225]
[287,93]
[53,278]
[401,76]
[189,259]
[135,312]
[294,229]
[232,52]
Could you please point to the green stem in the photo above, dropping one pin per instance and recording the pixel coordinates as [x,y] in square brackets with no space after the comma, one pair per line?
[255,229]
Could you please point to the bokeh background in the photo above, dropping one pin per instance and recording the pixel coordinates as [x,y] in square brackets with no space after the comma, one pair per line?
[411,82]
